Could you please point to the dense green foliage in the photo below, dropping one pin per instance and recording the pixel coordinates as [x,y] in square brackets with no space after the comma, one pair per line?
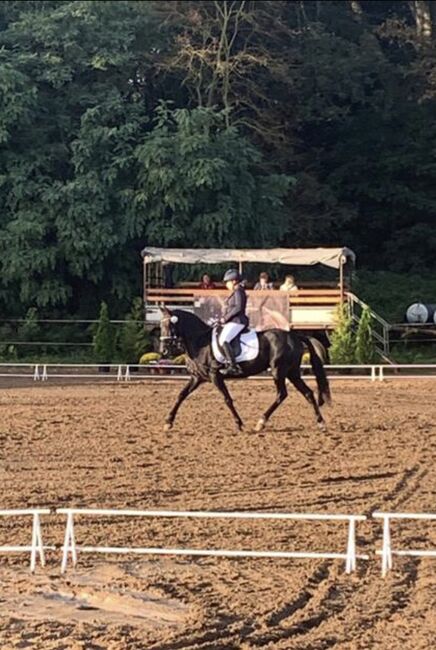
[211,123]
[389,294]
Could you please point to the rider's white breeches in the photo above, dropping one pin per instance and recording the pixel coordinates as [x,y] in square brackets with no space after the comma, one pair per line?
[229,331]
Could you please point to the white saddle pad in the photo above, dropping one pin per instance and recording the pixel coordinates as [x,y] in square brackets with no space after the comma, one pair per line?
[249,347]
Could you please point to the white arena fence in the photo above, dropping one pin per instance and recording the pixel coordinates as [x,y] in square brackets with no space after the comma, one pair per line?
[36,548]
[131,372]
[387,551]
[70,547]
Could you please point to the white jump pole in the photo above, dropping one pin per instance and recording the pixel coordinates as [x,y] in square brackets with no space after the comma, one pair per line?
[349,556]
[36,373]
[127,375]
[44,373]
[120,373]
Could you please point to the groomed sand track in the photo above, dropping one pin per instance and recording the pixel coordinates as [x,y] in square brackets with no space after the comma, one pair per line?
[104,446]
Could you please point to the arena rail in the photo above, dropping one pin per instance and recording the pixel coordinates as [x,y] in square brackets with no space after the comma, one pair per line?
[70,547]
[37,547]
[123,372]
[387,551]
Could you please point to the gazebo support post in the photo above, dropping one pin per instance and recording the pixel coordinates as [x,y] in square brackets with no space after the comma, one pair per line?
[341,277]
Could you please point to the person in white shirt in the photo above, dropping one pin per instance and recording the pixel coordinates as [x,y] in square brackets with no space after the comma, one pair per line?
[289,284]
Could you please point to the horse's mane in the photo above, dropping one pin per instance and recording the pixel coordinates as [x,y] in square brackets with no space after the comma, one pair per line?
[191,326]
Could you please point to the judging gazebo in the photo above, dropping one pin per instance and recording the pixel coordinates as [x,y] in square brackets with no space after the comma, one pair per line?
[304,308]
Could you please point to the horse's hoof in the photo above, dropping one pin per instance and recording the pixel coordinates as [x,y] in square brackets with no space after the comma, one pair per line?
[240,426]
[322,427]
[260,425]
[167,427]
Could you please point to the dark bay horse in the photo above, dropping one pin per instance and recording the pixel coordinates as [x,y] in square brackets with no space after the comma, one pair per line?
[279,350]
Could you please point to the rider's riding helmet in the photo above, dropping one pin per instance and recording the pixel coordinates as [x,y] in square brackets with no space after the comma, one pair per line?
[232,274]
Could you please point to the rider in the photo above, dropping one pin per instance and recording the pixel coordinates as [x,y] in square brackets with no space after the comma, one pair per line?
[234,319]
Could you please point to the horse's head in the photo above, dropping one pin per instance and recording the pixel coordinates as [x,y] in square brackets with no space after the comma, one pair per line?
[169,334]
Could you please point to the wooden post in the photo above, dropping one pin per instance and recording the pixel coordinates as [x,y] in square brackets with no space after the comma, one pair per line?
[341,277]
[145,288]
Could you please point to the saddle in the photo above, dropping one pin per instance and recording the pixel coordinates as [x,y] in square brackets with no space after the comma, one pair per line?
[245,346]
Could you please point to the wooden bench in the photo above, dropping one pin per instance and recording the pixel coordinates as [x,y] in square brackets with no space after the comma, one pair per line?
[297,297]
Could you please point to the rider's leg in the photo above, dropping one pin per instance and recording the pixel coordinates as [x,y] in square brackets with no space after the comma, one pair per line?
[228,333]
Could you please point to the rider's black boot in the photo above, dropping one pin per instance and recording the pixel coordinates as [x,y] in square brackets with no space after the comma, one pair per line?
[232,369]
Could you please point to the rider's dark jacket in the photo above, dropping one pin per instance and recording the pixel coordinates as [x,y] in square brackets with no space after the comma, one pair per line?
[235,307]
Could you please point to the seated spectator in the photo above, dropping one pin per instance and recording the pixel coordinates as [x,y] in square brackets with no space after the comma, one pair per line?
[206,282]
[289,284]
[263,283]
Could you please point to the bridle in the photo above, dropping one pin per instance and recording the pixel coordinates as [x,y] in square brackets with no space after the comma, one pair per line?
[172,337]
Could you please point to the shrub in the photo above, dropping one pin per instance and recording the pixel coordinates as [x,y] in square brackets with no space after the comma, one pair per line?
[365,348]
[104,339]
[342,348]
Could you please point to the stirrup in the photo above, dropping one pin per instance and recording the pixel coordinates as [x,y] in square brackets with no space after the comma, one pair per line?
[231,370]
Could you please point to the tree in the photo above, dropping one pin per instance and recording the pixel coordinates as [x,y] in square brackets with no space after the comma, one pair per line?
[208,123]
[80,192]
[365,348]
[104,339]
[342,350]
[201,184]
[72,111]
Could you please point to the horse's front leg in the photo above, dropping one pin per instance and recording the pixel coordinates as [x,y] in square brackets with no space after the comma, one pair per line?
[218,381]
[193,383]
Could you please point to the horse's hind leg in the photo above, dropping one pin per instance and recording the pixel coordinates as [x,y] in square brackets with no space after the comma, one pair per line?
[282,394]
[306,391]
[193,383]
[219,382]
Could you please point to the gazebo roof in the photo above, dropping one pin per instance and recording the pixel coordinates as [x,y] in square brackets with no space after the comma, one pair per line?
[332,257]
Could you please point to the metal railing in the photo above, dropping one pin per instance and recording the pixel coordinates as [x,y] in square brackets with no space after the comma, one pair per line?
[43,372]
[380,328]
[51,333]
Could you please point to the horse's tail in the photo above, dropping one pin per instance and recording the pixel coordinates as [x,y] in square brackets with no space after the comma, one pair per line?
[316,362]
